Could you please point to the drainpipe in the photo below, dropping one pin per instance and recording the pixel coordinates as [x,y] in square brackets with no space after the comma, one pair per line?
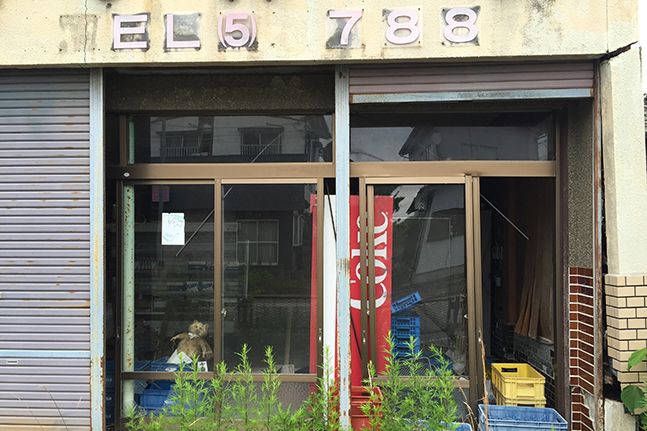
[342,189]
[128,335]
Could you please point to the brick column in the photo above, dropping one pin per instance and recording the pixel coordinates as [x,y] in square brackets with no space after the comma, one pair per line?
[626,302]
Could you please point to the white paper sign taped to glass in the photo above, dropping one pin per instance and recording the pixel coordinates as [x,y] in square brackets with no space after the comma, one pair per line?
[172,228]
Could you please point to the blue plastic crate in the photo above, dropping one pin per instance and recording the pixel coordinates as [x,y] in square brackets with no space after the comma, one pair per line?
[405,322]
[152,399]
[435,363]
[405,332]
[514,418]
[403,351]
[406,302]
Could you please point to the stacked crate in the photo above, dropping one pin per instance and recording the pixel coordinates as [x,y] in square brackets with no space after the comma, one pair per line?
[157,392]
[518,385]
[403,327]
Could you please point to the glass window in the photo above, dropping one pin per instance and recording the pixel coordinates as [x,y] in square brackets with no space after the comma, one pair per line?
[269,289]
[377,137]
[230,139]
[168,232]
[429,275]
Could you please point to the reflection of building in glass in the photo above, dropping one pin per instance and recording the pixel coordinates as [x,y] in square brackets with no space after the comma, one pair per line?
[234,138]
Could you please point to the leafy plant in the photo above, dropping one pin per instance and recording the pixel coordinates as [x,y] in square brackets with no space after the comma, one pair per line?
[633,396]
[422,401]
[218,405]
[323,404]
[243,393]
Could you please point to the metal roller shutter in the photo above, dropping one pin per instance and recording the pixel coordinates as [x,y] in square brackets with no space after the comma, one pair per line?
[44,250]
[434,82]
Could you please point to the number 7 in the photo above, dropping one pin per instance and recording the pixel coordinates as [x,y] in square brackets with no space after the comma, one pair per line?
[352,15]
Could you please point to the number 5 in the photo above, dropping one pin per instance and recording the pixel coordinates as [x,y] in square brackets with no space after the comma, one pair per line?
[231,27]
[352,15]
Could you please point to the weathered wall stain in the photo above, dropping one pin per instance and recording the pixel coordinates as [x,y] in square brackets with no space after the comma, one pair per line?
[79,33]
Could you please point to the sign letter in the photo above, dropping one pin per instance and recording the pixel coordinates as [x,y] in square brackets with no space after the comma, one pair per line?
[187,29]
[130,32]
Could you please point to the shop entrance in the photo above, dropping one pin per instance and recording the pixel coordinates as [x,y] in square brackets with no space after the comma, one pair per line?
[466,265]
[456,222]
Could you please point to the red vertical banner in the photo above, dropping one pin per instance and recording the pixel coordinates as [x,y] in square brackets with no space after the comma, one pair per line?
[383,243]
[383,240]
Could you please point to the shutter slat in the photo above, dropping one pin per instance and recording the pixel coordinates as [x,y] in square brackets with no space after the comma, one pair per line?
[476,78]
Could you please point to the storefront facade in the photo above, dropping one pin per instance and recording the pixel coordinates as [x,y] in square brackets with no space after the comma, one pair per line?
[236,163]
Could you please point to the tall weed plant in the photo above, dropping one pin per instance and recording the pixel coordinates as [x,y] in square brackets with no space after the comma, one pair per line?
[235,402]
[421,401]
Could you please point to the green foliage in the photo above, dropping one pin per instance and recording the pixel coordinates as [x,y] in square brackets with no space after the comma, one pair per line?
[323,404]
[422,401]
[633,396]
[636,358]
[243,393]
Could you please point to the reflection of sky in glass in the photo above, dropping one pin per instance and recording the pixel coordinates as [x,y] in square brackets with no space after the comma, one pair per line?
[368,143]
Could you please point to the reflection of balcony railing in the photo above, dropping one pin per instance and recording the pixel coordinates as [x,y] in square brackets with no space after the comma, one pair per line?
[181,151]
[254,149]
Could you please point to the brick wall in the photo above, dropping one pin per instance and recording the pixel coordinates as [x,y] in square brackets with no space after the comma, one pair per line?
[541,357]
[626,309]
[582,345]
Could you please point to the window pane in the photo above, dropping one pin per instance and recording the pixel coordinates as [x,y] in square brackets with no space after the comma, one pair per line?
[231,139]
[443,136]
[268,230]
[429,261]
[268,291]
[173,283]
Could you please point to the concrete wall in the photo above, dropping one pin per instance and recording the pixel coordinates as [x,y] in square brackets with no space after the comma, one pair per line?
[625,180]
[580,184]
[73,32]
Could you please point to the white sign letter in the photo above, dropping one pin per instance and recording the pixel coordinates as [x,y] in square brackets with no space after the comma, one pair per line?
[118,31]
[170,33]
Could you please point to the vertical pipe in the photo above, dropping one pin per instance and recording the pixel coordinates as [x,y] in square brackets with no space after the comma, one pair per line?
[128,300]
[97,211]
[342,187]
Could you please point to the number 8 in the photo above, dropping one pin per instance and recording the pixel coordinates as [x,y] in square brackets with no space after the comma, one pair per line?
[452,24]
[411,26]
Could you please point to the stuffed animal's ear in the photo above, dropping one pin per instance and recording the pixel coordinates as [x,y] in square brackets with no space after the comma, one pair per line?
[195,321]
[206,327]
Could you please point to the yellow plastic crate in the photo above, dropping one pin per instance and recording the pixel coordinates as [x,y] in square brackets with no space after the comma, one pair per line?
[516,381]
[521,402]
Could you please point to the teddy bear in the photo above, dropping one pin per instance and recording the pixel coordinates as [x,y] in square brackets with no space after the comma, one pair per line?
[193,343]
